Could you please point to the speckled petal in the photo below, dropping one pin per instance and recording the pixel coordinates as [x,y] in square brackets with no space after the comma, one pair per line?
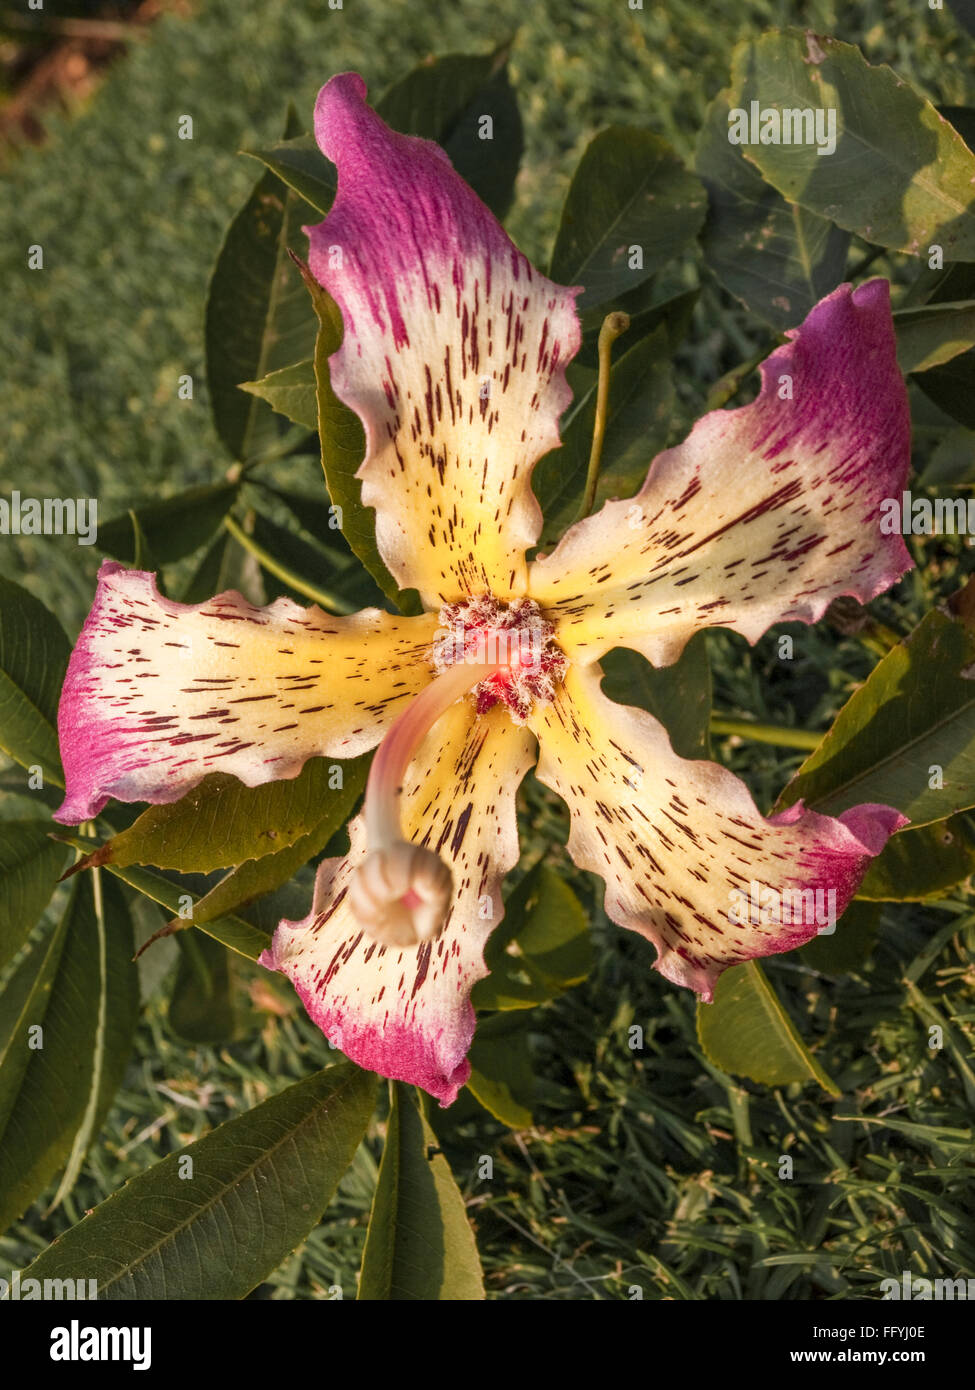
[764,514]
[159,693]
[687,859]
[453,357]
[406,1013]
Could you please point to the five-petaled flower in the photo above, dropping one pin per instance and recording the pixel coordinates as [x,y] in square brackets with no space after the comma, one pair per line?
[454,358]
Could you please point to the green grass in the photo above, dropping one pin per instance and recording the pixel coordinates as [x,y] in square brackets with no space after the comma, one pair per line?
[646,1169]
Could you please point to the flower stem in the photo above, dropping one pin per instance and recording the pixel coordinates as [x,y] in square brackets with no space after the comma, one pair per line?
[613,325]
[332,603]
[803,739]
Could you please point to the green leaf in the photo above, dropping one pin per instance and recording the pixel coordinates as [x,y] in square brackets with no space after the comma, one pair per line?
[915,712]
[900,176]
[446,99]
[747,1032]
[235,933]
[220,823]
[679,695]
[849,946]
[68,1083]
[172,528]
[326,562]
[290,391]
[501,1076]
[299,163]
[259,876]
[630,190]
[313,512]
[23,1003]
[33,658]
[923,863]
[675,313]
[952,464]
[541,948]
[932,334]
[343,448]
[201,1009]
[302,563]
[964,12]
[257,1186]
[777,258]
[952,387]
[30,865]
[208,576]
[641,399]
[419,1245]
[257,317]
[231,931]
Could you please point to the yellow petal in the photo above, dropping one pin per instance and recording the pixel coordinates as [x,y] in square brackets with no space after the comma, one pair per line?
[406,1012]
[764,514]
[453,357]
[159,693]
[681,846]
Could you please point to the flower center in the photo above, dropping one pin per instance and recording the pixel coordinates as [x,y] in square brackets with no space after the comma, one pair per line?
[504,654]
[512,636]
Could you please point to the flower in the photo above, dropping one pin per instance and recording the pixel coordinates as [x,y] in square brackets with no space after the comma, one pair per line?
[454,358]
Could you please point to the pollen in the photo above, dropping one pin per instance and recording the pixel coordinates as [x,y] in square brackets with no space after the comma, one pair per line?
[515,636]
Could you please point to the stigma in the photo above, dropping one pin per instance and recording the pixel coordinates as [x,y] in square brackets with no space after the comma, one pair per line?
[500,654]
[514,639]
[401,892]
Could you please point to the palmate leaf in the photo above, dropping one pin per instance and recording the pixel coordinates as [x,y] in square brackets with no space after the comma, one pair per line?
[30,863]
[221,823]
[952,462]
[541,948]
[849,946]
[501,1076]
[952,387]
[629,190]
[909,727]
[324,562]
[170,529]
[923,863]
[447,99]
[674,314]
[932,334]
[778,258]
[299,163]
[215,1227]
[236,934]
[343,448]
[900,176]
[201,1007]
[420,1245]
[257,318]
[290,391]
[746,1031]
[641,400]
[33,658]
[256,877]
[678,695]
[82,988]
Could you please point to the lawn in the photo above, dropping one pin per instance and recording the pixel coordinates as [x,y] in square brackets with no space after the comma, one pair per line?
[648,1172]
